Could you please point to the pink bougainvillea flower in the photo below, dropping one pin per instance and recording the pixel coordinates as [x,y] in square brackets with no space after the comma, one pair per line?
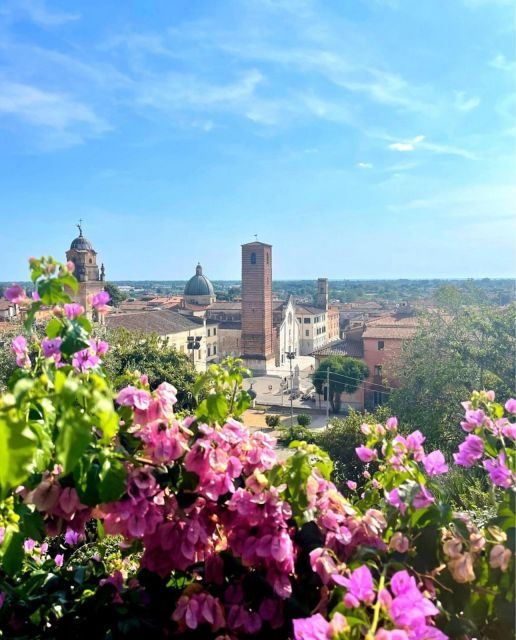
[351,485]
[399,542]
[15,294]
[59,559]
[133,397]
[35,296]
[314,628]
[471,450]
[498,471]
[20,349]
[84,360]
[500,557]
[423,499]
[73,309]
[510,405]
[365,453]
[392,634]
[435,463]
[52,348]
[391,424]
[100,301]
[360,587]
[393,497]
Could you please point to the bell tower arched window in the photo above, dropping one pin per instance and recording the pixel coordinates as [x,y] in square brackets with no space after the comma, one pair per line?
[253,258]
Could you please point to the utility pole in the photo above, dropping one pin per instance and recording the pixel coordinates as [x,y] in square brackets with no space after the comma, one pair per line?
[291,355]
[327,395]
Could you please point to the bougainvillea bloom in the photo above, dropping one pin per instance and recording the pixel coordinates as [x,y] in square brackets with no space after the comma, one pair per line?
[52,348]
[314,628]
[15,294]
[498,471]
[510,405]
[100,300]
[365,453]
[360,587]
[73,310]
[471,450]
[435,463]
[20,349]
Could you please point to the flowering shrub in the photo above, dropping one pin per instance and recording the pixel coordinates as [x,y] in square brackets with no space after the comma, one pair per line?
[119,518]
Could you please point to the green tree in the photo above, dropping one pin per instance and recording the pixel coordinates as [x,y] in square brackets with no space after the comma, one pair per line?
[340,439]
[346,375]
[151,354]
[115,294]
[456,350]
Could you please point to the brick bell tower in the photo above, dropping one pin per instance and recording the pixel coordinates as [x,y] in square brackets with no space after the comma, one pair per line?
[257,336]
[90,278]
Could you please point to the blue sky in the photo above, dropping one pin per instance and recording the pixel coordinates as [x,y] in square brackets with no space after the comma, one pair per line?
[362,138]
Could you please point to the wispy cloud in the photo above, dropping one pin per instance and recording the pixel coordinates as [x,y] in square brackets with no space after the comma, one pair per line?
[408,145]
[36,11]
[364,165]
[69,121]
[484,201]
[501,62]
[463,103]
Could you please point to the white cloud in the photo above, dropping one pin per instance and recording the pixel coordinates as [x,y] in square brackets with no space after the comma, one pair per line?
[463,103]
[37,11]
[364,165]
[401,146]
[501,62]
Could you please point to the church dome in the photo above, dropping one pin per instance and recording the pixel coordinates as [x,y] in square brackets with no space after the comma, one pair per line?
[81,243]
[199,285]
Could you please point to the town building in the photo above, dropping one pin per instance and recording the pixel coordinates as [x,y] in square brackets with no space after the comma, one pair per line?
[177,329]
[86,271]
[9,311]
[378,342]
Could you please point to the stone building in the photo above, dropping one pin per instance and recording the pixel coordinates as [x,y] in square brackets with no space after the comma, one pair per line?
[257,334]
[89,276]
[177,328]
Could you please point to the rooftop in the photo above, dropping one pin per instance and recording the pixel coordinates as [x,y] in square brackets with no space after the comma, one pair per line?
[352,348]
[162,322]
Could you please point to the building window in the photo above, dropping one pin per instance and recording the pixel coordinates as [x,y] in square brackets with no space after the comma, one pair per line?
[306,320]
[253,258]
[214,349]
[378,370]
[381,345]
[214,331]
[209,352]
[307,333]
[209,333]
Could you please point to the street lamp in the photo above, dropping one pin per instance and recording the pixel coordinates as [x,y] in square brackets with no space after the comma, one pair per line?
[193,343]
[291,355]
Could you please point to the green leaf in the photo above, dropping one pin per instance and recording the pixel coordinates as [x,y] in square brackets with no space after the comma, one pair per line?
[22,387]
[52,292]
[75,338]
[54,328]
[75,435]
[112,480]
[31,523]
[85,323]
[69,281]
[12,556]
[86,477]
[18,447]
